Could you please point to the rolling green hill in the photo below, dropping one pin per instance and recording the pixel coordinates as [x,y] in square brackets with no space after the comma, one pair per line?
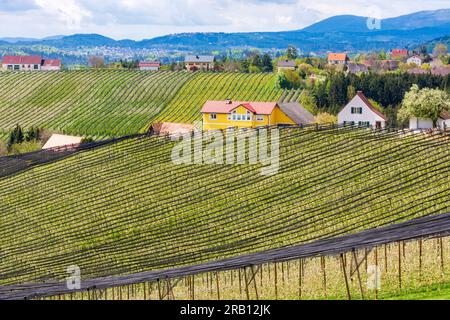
[105,103]
[127,207]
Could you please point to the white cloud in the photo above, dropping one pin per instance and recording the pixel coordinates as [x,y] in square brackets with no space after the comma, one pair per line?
[139,19]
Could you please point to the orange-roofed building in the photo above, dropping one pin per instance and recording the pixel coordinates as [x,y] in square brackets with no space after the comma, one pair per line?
[219,115]
[338,58]
[399,54]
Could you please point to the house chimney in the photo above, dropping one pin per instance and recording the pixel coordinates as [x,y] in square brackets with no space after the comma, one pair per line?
[228,101]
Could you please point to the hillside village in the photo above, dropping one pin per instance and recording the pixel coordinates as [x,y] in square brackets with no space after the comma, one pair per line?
[293,73]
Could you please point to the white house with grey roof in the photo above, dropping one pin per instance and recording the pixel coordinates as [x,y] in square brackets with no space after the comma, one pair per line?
[199,63]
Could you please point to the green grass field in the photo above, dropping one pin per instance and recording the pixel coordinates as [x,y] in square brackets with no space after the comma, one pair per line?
[126,207]
[105,103]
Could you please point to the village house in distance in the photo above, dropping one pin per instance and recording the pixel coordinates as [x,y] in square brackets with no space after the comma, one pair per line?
[149,65]
[338,59]
[219,115]
[199,63]
[359,111]
[284,65]
[30,63]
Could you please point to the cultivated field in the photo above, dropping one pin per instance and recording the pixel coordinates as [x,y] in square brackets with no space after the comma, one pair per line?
[127,208]
[105,103]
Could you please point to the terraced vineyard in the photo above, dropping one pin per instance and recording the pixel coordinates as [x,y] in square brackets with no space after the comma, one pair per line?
[105,103]
[125,207]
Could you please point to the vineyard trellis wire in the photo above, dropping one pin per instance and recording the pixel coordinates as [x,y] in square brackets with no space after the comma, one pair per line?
[431,226]
[333,181]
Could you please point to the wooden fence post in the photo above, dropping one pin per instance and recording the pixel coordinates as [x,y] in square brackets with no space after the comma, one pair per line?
[344,271]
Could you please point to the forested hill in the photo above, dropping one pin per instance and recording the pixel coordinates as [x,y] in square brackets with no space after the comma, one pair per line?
[349,33]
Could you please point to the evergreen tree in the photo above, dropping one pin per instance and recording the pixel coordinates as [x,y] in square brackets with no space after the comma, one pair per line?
[267,65]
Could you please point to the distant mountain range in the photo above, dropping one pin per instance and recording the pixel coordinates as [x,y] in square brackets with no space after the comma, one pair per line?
[339,33]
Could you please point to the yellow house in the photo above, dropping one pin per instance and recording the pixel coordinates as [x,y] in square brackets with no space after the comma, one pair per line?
[218,115]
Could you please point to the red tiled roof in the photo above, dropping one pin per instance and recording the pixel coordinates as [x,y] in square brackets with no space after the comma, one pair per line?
[52,63]
[399,52]
[22,60]
[369,105]
[145,64]
[337,57]
[265,108]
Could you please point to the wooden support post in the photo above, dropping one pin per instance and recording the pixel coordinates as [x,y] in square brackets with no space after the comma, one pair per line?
[441,245]
[322,260]
[168,288]
[276,281]
[344,271]
[400,265]
[246,284]
[300,278]
[159,290]
[193,287]
[420,259]
[358,273]
[376,266]
[240,283]
[217,286]
[254,282]
[145,291]
[385,259]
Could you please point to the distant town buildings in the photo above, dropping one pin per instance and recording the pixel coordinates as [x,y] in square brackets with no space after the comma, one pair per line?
[149,65]
[30,63]
[338,58]
[360,112]
[199,63]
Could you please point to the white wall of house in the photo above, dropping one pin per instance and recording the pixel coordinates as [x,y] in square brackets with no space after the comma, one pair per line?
[415,124]
[22,67]
[416,60]
[367,115]
[50,68]
[149,68]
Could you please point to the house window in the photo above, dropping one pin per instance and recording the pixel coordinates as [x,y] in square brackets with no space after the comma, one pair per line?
[249,116]
[36,67]
[9,67]
[234,116]
[260,118]
[16,67]
[356,110]
[365,124]
[213,116]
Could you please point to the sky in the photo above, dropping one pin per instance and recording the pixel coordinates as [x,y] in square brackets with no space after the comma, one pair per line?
[144,19]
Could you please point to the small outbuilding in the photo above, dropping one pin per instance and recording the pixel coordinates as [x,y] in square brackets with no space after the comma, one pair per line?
[423,124]
[62,141]
[172,129]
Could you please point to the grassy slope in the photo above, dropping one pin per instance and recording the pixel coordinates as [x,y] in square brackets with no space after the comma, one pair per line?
[127,207]
[116,102]
[435,292]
